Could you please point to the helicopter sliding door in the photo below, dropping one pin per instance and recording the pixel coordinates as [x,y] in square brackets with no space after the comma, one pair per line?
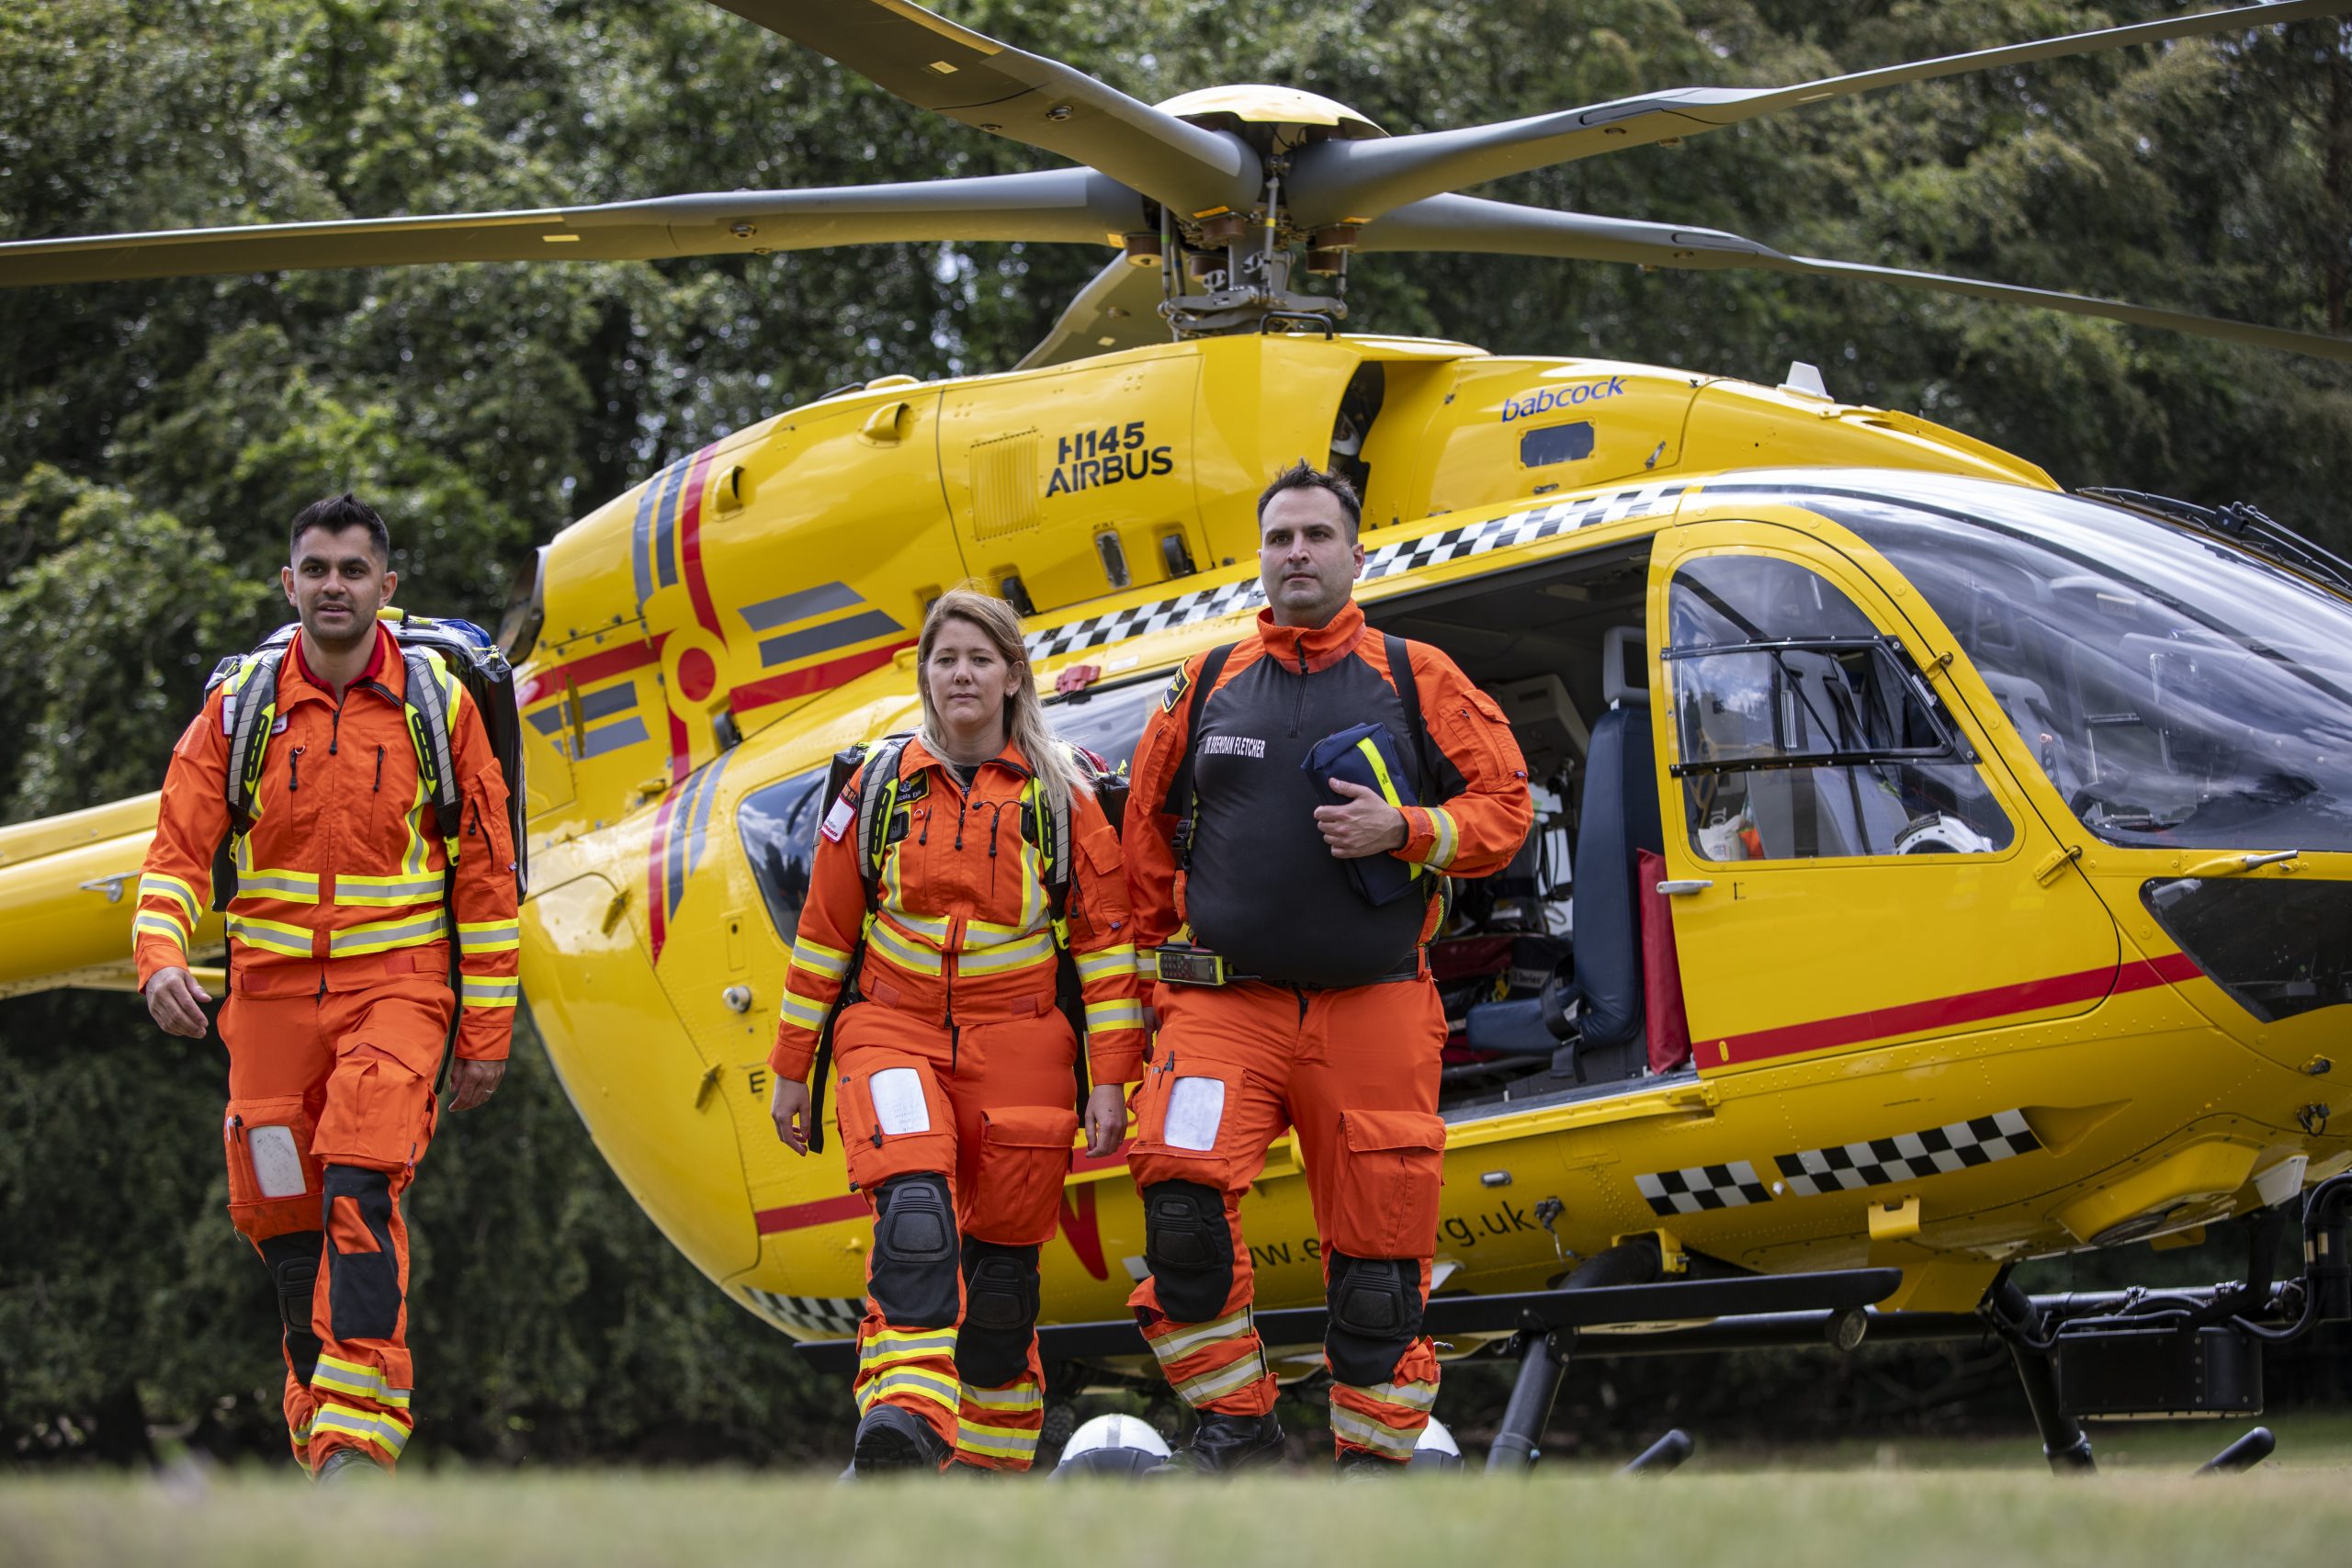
[1850,870]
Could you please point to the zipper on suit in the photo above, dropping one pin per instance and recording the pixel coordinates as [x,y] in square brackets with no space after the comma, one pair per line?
[1298,712]
[334,730]
[380,771]
[294,770]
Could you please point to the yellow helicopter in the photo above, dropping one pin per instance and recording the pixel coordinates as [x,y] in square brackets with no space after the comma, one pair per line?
[1934,869]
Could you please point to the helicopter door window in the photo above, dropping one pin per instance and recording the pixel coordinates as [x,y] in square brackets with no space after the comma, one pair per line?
[1807,733]
[779,823]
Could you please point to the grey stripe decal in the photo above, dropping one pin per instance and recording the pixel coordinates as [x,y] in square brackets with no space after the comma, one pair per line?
[665,560]
[702,809]
[547,720]
[825,638]
[608,702]
[641,545]
[770,613]
[629,732]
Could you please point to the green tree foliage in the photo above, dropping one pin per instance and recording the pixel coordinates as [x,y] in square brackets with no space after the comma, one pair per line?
[155,438]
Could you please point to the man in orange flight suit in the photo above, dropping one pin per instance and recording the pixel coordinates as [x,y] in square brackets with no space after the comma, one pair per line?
[339,1004]
[1333,1025]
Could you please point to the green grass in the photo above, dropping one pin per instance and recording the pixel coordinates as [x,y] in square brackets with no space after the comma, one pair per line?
[1964,1519]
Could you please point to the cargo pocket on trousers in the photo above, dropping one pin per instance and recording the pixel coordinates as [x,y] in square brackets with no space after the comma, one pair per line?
[893,1119]
[1390,1187]
[379,1113]
[273,1176]
[1017,1187]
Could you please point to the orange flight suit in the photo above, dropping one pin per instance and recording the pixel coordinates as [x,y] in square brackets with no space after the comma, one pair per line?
[339,1008]
[957,1076]
[1352,1066]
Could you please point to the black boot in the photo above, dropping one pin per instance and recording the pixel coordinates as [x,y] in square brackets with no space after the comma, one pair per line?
[890,1438]
[1360,1464]
[1223,1444]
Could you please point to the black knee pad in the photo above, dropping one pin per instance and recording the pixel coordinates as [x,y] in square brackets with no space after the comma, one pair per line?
[1190,1248]
[999,1313]
[1375,1316]
[293,1264]
[914,1278]
[363,1288]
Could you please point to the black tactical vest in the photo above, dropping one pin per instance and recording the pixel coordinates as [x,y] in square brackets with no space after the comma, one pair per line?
[1263,889]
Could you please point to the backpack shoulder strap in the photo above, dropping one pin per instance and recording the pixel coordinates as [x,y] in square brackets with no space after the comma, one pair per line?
[429,702]
[247,712]
[1179,802]
[877,800]
[1408,692]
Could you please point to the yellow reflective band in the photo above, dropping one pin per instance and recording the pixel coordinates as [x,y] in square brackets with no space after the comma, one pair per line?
[286,886]
[162,923]
[876,1359]
[996,1442]
[909,1380]
[1038,949]
[905,954]
[271,936]
[1216,1384]
[156,885]
[933,928]
[1020,1396]
[347,1376]
[1380,772]
[1105,962]
[805,1011]
[1441,854]
[385,1431]
[1374,1435]
[1114,1015]
[489,993]
[489,936]
[980,935]
[1168,1346]
[818,959]
[902,1343]
[1147,963]
[386,892]
[1409,1395]
[383,936]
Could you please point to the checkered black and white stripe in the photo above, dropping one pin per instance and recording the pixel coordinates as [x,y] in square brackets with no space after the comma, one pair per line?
[1698,1187]
[834,1316]
[1910,1156]
[1406,555]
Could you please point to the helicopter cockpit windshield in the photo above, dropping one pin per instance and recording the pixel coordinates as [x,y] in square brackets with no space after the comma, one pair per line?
[2179,691]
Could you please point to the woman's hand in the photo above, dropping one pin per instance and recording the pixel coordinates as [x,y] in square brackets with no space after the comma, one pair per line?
[789,1106]
[1106,1119]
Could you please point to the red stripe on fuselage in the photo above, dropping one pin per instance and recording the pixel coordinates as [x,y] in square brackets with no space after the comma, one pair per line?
[657,879]
[813,678]
[1950,1012]
[690,544]
[800,1216]
[543,684]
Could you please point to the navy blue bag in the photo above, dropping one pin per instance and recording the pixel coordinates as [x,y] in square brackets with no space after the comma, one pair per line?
[1368,754]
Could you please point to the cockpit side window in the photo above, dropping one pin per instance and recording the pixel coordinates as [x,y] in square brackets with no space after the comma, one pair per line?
[779,823]
[1805,732]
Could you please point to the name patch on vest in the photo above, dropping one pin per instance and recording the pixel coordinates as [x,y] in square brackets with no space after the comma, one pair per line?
[1233,746]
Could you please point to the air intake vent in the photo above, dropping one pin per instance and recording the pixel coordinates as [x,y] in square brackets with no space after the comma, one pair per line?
[1004,485]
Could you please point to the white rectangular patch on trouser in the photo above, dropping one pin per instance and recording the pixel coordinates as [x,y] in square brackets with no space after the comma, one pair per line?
[1195,1106]
[277,1165]
[898,1100]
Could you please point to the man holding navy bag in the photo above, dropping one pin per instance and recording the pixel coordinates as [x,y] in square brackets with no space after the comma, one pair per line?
[1298,800]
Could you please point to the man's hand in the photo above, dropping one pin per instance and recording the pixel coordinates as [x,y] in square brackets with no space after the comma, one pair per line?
[177,1003]
[789,1106]
[471,1082]
[1367,825]
[1106,1119]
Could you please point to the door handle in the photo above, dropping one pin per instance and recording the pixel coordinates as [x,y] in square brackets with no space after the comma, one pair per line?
[1683,889]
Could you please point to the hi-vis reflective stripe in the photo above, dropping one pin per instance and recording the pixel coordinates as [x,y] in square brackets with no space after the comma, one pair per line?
[806,1012]
[156,885]
[1147,963]
[1022,955]
[932,927]
[489,936]
[383,936]
[981,935]
[911,1380]
[892,1346]
[1184,1339]
[1409,1395]
[385,1431]
[286,886]
[1379,1437]
[164,924]
[489,993]
[1021,1396]
[381,892]
[1380,776]
[339,1376]
[910,956]
[996,1442]
[1221,1380]
[1104,963]
[1103,1016]
[1441,854]
[818,959]
[271,936]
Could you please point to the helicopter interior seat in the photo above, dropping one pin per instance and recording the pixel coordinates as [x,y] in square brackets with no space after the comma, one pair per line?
[1603,1037]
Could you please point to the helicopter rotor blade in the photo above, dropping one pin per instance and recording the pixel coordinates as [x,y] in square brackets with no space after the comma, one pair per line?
[1351,182]
[1119,308]
[1467,223]
[934,65]
[1071,205]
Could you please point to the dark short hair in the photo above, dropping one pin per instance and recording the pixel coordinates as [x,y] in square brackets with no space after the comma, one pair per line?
[1300,476]
[335,514]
